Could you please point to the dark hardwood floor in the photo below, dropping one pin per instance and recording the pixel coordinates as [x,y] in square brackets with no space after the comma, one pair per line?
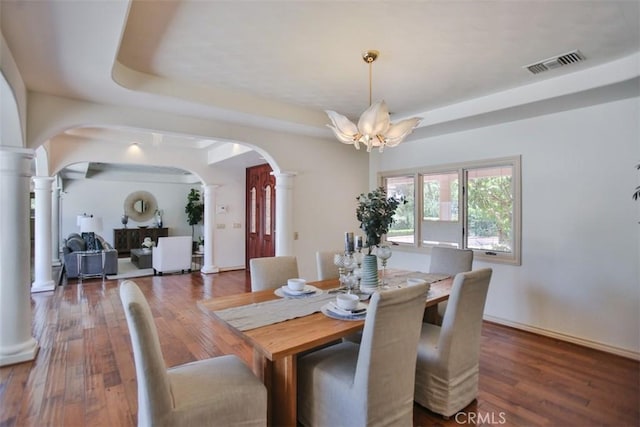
[84,373]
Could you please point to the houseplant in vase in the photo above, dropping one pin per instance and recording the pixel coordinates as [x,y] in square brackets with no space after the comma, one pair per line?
[195,212]
[375,212]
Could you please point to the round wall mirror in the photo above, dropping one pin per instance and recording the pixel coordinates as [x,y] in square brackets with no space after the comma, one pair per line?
[140,206]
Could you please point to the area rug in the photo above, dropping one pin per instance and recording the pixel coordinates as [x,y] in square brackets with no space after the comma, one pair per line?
[127,270]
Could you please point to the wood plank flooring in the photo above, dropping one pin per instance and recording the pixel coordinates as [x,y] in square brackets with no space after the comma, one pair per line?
[84,373]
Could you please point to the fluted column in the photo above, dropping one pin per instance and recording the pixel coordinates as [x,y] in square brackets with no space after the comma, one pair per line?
[208,265]
[42,259]
[16,343]
[55,225]
[284,212]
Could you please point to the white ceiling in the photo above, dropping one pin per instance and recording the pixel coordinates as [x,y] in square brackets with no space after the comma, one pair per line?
[279,64]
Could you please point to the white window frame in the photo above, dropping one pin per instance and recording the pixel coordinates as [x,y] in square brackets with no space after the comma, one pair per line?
[515,256]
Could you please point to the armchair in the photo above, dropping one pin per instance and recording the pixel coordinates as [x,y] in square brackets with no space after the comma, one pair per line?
[171,254]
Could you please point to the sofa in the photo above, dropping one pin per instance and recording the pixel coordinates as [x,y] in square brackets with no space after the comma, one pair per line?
[75,245]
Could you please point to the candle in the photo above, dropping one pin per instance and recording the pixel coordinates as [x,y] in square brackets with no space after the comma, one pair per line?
[359,242]
[348,242]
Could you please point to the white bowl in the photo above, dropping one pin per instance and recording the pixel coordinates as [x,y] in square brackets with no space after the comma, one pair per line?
[296,284]
[347,301]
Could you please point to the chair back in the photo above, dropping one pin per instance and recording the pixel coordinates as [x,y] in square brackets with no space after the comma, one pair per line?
[172,253]
[450,260]
[385,372]
[154,394]
[272,272]
[459,342]
[326,268]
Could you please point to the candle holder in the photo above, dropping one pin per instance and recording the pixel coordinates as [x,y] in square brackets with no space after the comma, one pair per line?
[384,253]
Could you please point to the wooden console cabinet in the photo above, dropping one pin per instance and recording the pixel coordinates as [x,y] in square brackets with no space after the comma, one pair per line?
[125,239]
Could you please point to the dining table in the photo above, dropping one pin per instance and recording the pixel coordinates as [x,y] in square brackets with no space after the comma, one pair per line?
[257,318]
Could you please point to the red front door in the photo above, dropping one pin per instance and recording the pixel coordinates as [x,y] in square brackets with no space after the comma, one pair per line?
[260,208]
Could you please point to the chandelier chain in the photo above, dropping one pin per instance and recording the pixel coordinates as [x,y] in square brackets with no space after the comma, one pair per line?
[370,80]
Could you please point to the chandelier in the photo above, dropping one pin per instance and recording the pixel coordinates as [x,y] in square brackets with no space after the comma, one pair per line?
[374,128]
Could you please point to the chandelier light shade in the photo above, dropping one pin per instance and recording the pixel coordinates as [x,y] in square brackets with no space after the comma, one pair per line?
[374,128]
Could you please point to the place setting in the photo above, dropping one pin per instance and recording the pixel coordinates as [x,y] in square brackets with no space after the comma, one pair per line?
[345,307]
[297,288]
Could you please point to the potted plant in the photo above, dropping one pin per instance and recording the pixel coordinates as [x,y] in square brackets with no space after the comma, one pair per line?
[375,212]
[194,210]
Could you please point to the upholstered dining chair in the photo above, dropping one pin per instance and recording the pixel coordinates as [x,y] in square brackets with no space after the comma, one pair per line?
[448,356]
[449,261]
[372,383]
[326,268]
[221,391]
[272,272]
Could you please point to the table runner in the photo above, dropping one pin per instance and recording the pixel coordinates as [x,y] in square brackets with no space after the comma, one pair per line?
[265,313]
[255,315]
[400,278]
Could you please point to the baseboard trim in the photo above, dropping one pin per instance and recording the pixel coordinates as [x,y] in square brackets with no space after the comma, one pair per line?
[564,337]
[240,267]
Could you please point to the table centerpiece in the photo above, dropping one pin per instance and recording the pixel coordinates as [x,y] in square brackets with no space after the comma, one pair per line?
[375,212]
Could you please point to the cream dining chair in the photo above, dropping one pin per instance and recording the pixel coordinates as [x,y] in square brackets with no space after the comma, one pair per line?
[372,383]
[449,261]
[221,391]
[447,368]
[272,272]
[326,268]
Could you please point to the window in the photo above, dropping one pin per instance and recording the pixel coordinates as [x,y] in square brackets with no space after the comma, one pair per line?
[403,229]
[253,211]
[474,205]
[267,210]
[440,212]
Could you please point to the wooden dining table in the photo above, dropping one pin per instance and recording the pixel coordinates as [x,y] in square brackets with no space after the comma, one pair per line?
[276,346]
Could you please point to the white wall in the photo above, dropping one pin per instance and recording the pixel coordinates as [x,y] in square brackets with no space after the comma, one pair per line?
[329,175]
[106,199]
[580,274]
[229,227]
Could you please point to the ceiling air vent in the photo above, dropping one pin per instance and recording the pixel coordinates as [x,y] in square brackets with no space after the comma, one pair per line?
[556,62]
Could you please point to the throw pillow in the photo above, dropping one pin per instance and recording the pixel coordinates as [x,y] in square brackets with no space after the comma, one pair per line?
[76,243]
[90,241]
[101,243]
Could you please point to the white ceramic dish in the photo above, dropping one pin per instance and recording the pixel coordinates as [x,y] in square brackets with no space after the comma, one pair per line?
[285,292]
[296,285]
[347,302]
[330,309]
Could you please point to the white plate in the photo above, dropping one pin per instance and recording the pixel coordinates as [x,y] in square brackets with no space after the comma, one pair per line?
[333,311]
[285,292]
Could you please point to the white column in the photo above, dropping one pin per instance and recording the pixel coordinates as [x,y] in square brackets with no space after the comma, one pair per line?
[55,225]
[42,260]
[284,213]
[208,266]
[16,343]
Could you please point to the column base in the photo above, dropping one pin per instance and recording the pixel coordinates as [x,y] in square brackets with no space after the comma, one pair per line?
[19,353]
[208,269]
[46,286]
